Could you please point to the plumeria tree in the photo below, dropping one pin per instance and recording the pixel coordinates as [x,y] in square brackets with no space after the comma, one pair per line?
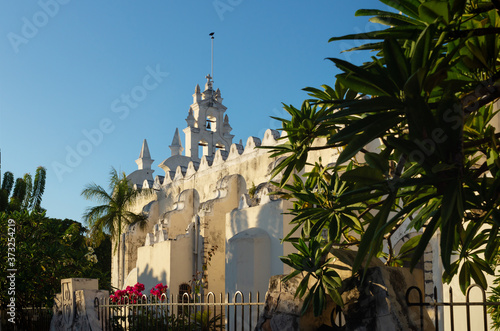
[427,98]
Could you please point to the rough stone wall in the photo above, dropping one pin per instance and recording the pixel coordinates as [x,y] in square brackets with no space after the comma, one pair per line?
[375,304]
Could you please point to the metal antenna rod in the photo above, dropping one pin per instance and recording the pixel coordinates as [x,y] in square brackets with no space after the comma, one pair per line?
[212,37]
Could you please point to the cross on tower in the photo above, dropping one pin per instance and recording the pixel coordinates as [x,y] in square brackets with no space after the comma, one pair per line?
[209,81]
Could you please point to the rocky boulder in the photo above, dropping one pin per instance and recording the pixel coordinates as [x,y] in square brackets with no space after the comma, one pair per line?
[376,303]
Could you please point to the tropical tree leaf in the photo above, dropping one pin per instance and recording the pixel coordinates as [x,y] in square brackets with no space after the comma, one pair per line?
[425,98]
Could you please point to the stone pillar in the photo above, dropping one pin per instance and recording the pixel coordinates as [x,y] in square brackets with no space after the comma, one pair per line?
[74,306]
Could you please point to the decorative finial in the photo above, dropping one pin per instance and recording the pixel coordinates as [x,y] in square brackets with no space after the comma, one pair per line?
[227,127]
[144,161]
[145,150]
[176,147]
[218,96]
[208,85]
[190,120]
[197,94]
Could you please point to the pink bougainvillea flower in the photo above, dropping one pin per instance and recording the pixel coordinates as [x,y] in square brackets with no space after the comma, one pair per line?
[139,287]
[158,290]
[134,294]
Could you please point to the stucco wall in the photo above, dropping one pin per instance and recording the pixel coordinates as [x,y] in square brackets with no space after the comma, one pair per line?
[153,264]
[211,190]
[253,247]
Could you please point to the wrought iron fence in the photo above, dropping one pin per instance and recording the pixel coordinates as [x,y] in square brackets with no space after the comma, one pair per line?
[193,313]
[27,319]
[447,310]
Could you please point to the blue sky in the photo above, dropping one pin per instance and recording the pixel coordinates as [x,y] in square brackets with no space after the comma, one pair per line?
[67,66]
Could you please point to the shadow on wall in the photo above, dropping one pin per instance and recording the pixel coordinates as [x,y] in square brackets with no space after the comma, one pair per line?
[254,232]
[146,277]
[250,265]
[258,211]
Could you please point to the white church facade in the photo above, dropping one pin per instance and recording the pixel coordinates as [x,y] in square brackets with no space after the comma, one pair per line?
[212,222]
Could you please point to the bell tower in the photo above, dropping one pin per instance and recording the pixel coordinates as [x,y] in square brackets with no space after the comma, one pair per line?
[207,128]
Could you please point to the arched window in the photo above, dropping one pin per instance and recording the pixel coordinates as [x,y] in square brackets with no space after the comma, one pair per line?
[219,146]
[211,124]
[184,288]
[202,148]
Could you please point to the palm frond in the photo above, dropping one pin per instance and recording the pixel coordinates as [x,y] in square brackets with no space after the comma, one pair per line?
[113,215]
[92,214]
[140,220]
[96,192]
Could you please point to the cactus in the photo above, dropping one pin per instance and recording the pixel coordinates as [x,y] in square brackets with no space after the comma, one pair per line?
[38,188]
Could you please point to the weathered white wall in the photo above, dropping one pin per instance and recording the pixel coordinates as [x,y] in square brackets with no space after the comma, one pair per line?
[168,262]
[253,247]
[153,263]
[181,263]
[210,191]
